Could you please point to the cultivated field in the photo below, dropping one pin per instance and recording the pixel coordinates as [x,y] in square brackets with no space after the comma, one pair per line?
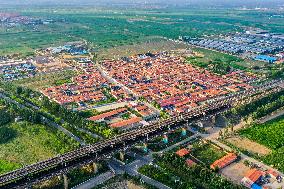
[249,145]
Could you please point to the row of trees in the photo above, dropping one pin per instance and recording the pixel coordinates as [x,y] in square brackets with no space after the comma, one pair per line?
[268,108]
[261,107]
[15,110]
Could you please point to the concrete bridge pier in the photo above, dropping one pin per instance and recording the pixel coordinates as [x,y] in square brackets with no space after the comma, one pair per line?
[95,167]
[65,181]
[213,119]
[121,156]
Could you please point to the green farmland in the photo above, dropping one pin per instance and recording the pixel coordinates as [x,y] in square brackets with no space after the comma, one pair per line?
[269,135]
[106,28]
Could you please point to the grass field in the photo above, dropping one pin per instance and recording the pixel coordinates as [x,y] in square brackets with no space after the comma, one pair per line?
[32,143]
[211,55]
[106,28]
[46,80]
[207,153]
[217,62]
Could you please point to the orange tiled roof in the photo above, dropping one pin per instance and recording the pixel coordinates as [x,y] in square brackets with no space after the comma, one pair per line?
[273,173]
[140,108]
[126,122]
[254,174]
[107,114]
[190,163]
[224,161]
[182,152]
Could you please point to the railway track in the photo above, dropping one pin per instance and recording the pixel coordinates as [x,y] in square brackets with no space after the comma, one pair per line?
[56,165]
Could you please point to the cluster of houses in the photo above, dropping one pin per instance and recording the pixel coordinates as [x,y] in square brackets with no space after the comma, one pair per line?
[171,83]
[15,19]
[90,87]
[72,48]
[144,111]
[73,55]
[124,118]
[84,88]
[16,69]
[48,64]
[240,43]
[258,179]
[240,76]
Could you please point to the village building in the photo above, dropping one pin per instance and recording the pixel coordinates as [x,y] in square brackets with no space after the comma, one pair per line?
[224,161]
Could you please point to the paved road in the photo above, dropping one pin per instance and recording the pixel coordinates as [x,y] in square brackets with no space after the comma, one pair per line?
[93,182]
[132,169]
[272,116]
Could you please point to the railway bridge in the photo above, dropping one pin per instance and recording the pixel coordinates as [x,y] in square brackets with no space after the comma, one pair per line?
[61,164]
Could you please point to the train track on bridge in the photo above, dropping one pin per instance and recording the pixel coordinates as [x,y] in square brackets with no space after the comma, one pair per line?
[34,173]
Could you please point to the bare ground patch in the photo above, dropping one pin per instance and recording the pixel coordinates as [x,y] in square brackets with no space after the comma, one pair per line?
[131,185]
[235,172]
[249,145]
